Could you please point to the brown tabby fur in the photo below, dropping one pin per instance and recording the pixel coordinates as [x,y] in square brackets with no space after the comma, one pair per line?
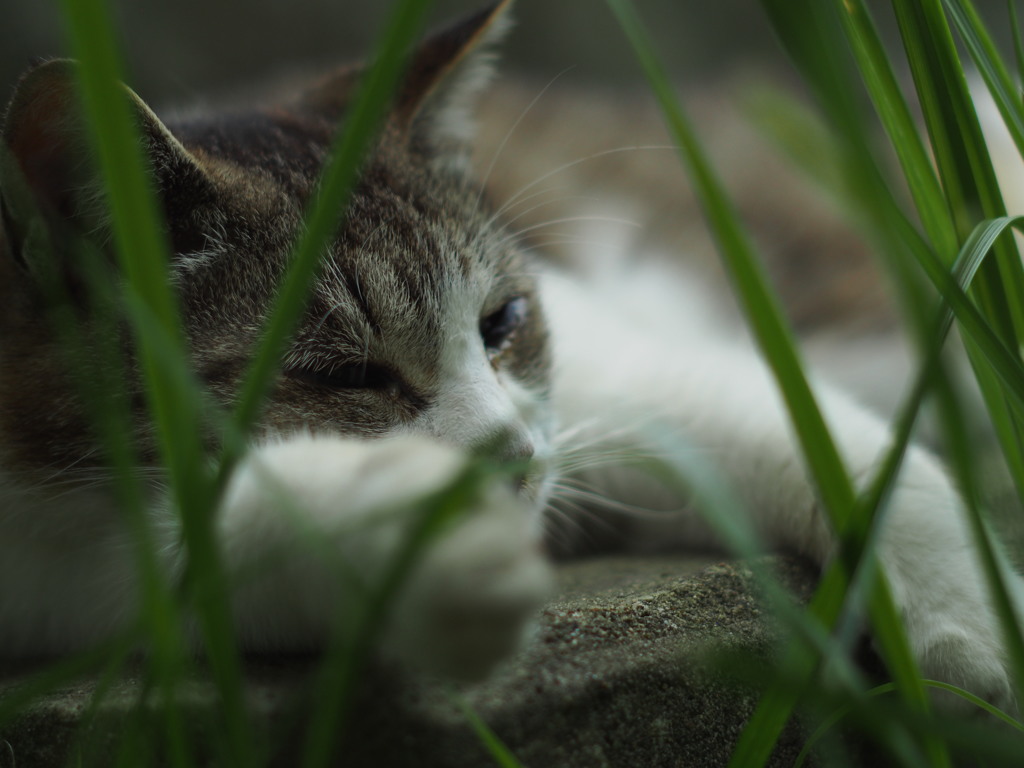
[234,189]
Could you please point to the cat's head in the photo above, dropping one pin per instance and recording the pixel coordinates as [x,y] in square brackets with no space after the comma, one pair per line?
[425,317]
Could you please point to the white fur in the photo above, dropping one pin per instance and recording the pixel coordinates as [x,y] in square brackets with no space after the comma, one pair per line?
[615,378]
[310,522]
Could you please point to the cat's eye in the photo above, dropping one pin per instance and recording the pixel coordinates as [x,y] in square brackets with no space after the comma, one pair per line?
[350,376]
[498,328]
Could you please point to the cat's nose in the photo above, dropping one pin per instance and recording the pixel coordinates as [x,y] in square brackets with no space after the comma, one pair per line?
[510,446]
[507,445]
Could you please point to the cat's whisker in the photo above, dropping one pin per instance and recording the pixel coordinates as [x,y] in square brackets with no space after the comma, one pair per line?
[511,132]
[566,240]
[578,161]
[587,495]
[592,461]
[501,212]
[87,479]
[578,520]
[76,488]
[517,234]
[560,530]
[568,514]
[557,197]
[586,433]
[509,221]
[585,448]
[67,475]
[558,239]
[567,522]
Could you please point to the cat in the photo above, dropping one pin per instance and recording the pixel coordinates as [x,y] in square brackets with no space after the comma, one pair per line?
[429,336]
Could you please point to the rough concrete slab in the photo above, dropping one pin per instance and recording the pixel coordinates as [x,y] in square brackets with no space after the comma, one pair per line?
[616,676]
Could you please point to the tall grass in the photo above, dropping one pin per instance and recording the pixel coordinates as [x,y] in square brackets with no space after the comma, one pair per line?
[180,414]
[950,233]
[945,248]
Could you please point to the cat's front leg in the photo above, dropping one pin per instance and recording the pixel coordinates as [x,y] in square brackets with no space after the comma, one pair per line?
[649,380]
[311,525]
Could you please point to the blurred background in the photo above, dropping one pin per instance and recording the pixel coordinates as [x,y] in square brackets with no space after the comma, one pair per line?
[177,52]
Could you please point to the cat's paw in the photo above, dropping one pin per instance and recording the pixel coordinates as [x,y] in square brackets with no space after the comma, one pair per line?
[310,522]
[968,659]
[472,599]
[940,586]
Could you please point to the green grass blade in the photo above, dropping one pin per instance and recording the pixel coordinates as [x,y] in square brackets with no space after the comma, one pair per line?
[777,703]
[830,723]
[1004,363]
[107,404]
[899,124]
[357,630]
[692,475]
[961,460]
[882,605]
[98,373]
[990,66]
[862,193]
[978,702]
[775,340]
[975,250]
[877,73]
[847,710]
[956,161]
[143,255]
[363,118]
[362,121]
[1018,46]
[969,182]
[988,62]
[895,116]
[137,227]
[858,183]
[888,633]
[942,92]
[979,245]
[811,646]
[502,755]
[765,318]
[961,156]
[973,254]
[1007,295]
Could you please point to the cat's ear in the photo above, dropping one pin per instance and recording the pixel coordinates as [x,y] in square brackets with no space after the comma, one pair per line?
[447,71]
[48,176]
[446,75]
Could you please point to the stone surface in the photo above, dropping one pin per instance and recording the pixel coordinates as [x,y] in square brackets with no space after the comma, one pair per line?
[617,675]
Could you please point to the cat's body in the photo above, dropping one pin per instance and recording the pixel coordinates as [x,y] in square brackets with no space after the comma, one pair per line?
[424,342]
